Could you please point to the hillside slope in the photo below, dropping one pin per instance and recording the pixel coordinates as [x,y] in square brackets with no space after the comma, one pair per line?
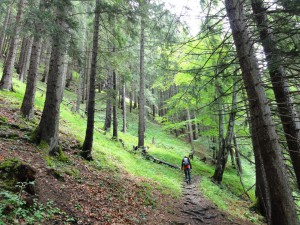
[119,186]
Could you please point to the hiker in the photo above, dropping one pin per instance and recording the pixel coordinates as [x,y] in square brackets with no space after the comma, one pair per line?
[186,166]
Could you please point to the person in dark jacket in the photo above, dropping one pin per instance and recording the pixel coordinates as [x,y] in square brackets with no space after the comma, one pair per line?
[186,166]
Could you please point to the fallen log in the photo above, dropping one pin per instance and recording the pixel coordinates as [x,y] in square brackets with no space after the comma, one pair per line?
[159,161]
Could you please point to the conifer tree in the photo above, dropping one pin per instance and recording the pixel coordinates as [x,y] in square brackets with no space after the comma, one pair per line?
[48,128]
[88,141]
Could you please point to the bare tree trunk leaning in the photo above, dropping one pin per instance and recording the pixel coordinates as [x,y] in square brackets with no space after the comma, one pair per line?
[287,112]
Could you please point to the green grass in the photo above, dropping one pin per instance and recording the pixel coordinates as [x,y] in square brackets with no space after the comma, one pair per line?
[111,155]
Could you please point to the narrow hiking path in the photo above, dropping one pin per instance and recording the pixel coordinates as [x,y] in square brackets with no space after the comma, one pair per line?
[194,208]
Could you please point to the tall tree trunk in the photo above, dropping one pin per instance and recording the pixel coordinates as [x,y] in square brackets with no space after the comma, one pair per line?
[124,106]
[81,65]
[196,129]
[79,87]
[6,47]
[262,191]
[115,105]
[27,108]
[219,94]
[141,127]
[190,129]
[109,92]
[43,49]
[83,93]
[6,80]
[47,130]
[282,205]
[130,101]
[69,74]
[3,33]
[135,100]
[120,105]
[237,155]
[232,157]
[47,64]
[80,84]
[26,61]
[214,149]
[153,106]
[89,135]
[223,155]
[287,112]
[88,79]
[20,61]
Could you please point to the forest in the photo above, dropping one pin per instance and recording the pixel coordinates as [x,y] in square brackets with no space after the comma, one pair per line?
[100,100]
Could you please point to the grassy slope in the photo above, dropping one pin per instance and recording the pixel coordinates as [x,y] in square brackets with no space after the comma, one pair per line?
[108,153]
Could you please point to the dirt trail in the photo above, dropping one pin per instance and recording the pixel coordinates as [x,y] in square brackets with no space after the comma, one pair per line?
[195,209]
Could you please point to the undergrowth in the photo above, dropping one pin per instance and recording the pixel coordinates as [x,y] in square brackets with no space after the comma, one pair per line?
[14,210]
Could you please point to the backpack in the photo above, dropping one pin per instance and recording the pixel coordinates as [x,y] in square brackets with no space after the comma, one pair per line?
[185,161]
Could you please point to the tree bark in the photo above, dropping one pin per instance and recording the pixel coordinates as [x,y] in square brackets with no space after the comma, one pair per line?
[69,74]
[6,47]
[6,80]
[141,127]
[48,127]
[20,61]
[135,100]
[195,129]
[221,117]
[88,141]
[262,191]
[26,61]
[87,78]
[237,155]
[115,105]
[109,92]
[47,64]
[27,108]
[124,106]
[190,133]
[287,112]
[120,105]
[282,206]
[153,106]
[79,87]
[223,155]
[130,101]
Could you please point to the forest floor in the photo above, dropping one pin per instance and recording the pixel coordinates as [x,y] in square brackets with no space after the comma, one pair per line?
[90,195]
